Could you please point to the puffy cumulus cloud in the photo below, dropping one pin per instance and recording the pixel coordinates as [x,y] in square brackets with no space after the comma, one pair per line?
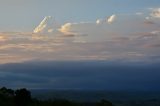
[66,29]
[111,19]
[155,12]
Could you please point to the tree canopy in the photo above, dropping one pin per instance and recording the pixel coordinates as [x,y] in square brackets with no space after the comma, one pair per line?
[22,97]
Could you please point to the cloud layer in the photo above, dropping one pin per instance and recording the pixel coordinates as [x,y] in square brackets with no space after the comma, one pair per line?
[131,38]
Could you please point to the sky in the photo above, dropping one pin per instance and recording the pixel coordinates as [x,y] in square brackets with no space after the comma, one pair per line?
[24,15]
[97,33]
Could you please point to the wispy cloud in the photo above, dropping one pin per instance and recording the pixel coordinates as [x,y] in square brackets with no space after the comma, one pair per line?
[43,25]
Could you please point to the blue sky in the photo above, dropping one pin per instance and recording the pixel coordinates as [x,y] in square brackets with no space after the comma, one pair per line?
[17,15]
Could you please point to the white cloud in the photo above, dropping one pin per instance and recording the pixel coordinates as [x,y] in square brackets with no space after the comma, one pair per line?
[100,21]
[155,12]
[43,25]
[111,19]
[66,28]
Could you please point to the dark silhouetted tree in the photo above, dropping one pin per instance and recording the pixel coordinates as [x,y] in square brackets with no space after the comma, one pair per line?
[7,92]
[6,97]
[22,97]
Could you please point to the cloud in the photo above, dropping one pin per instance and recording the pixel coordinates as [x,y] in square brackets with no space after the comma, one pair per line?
[99,21]
[43,25]
[155,12]
[66,29]
[154,35]
[100,40]
[3,38]
[111,19]
[91,29]
[83,31]
[108,20]
[76,30]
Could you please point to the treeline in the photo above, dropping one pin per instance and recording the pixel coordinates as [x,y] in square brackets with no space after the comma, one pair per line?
[22,97]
